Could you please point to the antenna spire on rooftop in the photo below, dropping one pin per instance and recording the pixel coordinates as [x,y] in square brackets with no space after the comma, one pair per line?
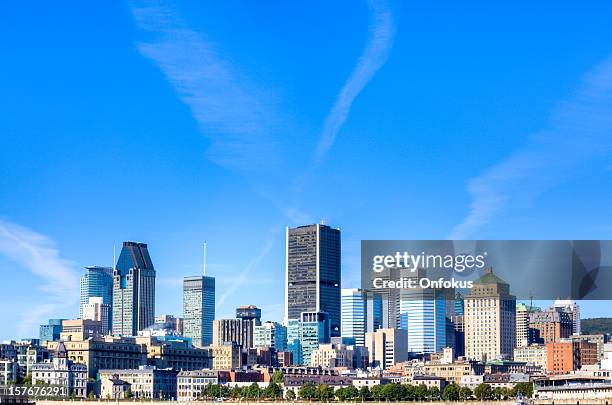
[204,272]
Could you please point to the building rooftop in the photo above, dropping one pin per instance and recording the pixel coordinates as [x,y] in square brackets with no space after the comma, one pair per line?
[489,278]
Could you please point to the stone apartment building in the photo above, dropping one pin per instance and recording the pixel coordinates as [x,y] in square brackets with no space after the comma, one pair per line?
[62,371]
[105,353]
[146,382]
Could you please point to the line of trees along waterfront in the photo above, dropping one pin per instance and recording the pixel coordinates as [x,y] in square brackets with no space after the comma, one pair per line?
[386,392]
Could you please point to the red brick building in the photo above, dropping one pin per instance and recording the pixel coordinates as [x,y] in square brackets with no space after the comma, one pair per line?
[566,356]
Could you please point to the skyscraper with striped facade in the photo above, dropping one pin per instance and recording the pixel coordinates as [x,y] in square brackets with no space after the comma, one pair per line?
[422,312]
[353,324]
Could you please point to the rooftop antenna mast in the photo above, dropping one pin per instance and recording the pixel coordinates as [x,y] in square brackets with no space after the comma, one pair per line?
[114,256]
[204,257]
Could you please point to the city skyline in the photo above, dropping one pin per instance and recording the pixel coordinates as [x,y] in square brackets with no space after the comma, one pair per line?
[211,315]
[386,120]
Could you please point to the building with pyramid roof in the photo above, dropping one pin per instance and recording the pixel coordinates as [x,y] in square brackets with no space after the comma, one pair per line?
[490,319]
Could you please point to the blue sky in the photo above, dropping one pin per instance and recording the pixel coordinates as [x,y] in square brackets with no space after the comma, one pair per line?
[174,122]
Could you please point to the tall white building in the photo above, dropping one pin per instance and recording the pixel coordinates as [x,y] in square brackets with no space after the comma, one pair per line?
[490,319]
[97,310]
[574,309]
[353,316]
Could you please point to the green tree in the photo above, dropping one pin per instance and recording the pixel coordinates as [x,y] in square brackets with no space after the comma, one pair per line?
[212,391]
[388,392]
[409,393]
[91,395]
[253,391]
[351,392]
[400,392]
[376,392]
[290,395]
[433,393]
[277,377]
[272,391]
[324,392]
[420,392]
[524,388]
[483,392]
[495,393]
[452,392]
[307,391]
[236,392]
[502,393]
[364,393]
[465,393]
[341,394]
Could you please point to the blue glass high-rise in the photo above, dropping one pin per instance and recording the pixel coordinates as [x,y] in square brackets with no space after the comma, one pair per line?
[97,282]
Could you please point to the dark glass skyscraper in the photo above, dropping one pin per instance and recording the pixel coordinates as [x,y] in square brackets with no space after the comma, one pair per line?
[313,273]
[133,290]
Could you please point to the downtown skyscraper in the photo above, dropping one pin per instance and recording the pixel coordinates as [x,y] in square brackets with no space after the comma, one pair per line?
[353,315]
[490,319]
[97,282]
[133,290]
[199,309]
[313,273]
[361,313]
[422,312]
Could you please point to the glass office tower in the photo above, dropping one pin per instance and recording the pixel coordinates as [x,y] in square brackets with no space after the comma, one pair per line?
[97,282]
[199,309]
[313,273]
[354,315]
[423,314]
[133,290]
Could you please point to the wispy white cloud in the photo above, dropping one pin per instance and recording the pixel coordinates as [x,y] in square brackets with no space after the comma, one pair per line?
[374,55]
[580,130]
[55,277]
[239,117]
[249,269]
[236,115]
